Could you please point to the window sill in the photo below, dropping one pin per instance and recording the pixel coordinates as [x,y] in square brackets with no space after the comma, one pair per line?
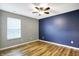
[14,39]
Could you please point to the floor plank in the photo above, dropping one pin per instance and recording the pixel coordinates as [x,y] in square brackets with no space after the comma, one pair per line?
[39,48]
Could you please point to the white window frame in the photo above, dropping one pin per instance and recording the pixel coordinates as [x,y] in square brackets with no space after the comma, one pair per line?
[7,28]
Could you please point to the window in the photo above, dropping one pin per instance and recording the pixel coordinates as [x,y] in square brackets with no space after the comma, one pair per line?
[13,28]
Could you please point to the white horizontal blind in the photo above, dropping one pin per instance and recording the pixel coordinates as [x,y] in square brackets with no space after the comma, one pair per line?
[13,28]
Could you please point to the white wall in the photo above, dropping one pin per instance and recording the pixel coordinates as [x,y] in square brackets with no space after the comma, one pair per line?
[29,29]
[0,29]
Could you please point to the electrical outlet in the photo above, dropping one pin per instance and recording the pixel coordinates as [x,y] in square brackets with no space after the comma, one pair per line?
[42,37]
[72,42]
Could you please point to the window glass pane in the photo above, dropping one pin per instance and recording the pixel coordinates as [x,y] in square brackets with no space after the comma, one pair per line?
[13,28]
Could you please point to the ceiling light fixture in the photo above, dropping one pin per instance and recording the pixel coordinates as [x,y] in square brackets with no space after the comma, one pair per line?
[41,8]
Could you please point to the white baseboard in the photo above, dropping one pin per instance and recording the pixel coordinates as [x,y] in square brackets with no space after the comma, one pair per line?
[60,44]
[1,49]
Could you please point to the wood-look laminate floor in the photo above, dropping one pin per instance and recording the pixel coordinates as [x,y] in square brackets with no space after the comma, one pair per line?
[39,48]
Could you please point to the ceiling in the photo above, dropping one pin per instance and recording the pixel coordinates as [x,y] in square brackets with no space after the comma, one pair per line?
[26,9]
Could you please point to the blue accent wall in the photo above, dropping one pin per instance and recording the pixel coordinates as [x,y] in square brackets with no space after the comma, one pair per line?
[63,28]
